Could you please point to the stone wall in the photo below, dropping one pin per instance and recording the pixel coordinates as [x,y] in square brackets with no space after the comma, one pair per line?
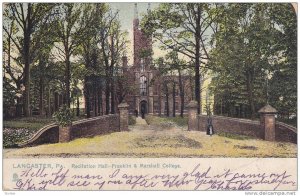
[283,132]
[95,126]
[81,128]
[46,135]
[231,125]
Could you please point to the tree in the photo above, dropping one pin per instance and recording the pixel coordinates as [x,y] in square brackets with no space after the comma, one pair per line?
[29,17]
[184,28]
[283,84]
[179,65]
[92,24]
[246,55]
[68,37]
[112,42]
[13,68]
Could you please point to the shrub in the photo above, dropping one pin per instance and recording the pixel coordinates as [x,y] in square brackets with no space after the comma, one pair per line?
[13,136]
[131,120]
[64,116]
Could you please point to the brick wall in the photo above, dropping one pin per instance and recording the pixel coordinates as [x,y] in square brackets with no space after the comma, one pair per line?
[95,126]
[231,125]
[283,132]
[82,128]
[46,135]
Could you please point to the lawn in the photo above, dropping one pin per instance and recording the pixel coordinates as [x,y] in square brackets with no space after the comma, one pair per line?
[31,123]
[154,143]
[167,122]
[162,137]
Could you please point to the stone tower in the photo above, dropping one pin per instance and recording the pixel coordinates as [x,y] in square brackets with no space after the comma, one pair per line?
[142,49]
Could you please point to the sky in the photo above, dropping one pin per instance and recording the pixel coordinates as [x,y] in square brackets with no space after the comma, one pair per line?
[126,16]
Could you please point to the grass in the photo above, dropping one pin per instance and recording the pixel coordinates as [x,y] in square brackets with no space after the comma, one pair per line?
[164,138]
[166,122]
[31,123]
[234,136]
[157,141]
[151,143]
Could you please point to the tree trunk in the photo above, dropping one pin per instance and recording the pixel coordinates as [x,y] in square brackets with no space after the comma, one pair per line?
[49,103]
[250,94]
[77,109]
[174,101]
[107,94]
[197,60]
[27,71]
[95,94]
[100,109]
[68,78]
[181,94]
[41,104]
[87,97]
[167,100]
[159,100]
[112,96]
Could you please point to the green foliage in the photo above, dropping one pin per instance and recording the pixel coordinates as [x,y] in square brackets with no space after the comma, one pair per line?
[9,93]
[21,129]
[131,120]
[252,61]
[181,122]
[64,116]
[11,137]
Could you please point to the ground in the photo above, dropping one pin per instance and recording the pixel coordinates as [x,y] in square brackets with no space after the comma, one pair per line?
[162,138]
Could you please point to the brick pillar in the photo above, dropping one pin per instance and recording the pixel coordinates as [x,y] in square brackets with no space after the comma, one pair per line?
[267,122]
[123,109]
[192,116]
[151,109]
[64,134]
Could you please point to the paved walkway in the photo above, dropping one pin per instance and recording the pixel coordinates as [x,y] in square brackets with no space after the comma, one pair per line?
[140,121]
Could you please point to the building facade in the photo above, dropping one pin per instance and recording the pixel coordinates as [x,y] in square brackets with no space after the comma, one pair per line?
[152,92]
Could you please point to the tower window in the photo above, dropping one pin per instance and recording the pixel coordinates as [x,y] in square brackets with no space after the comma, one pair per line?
[142,65]
[143,85]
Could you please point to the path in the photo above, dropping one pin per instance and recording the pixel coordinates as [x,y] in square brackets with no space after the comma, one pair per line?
[145,140]
[140,121]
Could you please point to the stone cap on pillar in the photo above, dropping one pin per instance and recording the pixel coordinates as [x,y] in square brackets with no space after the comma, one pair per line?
[123,105]
[267,110]
[192,104]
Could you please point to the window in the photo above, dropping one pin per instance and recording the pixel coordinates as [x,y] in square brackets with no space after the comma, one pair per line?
[143,85]
[142,65]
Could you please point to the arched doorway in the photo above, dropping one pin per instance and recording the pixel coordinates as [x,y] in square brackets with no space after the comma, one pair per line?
[143,107]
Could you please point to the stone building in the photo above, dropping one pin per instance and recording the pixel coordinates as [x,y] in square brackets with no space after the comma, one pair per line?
[153,93]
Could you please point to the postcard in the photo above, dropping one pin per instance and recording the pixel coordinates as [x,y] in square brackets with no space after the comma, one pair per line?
[149,96]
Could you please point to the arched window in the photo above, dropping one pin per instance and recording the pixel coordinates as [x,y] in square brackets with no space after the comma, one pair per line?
[142,65]
[143,85]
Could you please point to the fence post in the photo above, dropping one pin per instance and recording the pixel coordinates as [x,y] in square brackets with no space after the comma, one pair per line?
[192,116]
[267,122]
[123,110]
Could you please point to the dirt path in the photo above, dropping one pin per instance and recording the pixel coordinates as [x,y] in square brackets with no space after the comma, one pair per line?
[140,121]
